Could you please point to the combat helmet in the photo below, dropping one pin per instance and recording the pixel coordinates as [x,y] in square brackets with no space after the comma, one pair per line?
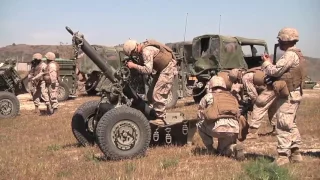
[37,56]
[50,56]
[217,81]
[234,74]
[288,34]
[129,46]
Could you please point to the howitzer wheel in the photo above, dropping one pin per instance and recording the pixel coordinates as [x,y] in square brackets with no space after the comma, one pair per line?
[123,133]
[82,123]
[9,105]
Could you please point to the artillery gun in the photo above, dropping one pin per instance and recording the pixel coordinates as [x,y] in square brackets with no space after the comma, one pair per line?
[119,121]
[11,85]
[115,57]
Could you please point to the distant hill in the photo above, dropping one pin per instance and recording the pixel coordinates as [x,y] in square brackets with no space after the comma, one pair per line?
[23,53]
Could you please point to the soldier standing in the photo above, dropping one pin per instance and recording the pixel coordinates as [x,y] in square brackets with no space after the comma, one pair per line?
[159,57]
[36,83]
[262,103]
[291,69]
[219,114]
[52,83]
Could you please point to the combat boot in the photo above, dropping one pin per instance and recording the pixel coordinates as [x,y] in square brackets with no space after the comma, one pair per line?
[282,160]
[273,132]
[295,155]
[210,150]
[49,110]
[253,133]
[36,109]
[239,152]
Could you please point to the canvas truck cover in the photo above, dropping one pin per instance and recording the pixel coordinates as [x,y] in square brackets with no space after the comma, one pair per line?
[248,41]
[177,46]
[183,48]
[112,55]
[216,51]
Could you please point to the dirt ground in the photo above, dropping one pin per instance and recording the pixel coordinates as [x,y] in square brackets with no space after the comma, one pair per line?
[43,147]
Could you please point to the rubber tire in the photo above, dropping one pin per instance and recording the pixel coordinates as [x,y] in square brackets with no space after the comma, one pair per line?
[79,123]
[174,93]
[197,99]
[105,125]
[66,90]
[15,102]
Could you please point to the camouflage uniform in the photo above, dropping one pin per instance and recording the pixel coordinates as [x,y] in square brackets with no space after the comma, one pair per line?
[162,82]
[52,83]
[267,97]
[289,139]
[259,109]
[225,129]
[36,83]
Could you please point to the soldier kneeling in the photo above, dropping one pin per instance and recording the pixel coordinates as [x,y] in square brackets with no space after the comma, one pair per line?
[219,113]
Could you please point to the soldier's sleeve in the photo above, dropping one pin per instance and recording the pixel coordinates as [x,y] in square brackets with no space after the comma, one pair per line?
[286,61]
[43,67]
[248,84]
[147,54]
[204,102]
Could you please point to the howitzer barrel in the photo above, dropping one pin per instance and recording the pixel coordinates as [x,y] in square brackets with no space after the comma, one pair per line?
[95,57]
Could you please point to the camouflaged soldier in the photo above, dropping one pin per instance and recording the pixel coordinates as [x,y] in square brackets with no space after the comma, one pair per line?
[36,82]
[52,83]
[291,69]
[219,114]
[159,57]
[262,103]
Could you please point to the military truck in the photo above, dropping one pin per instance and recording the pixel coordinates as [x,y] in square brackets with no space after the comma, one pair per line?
[68,82]
[208,54]
[309,84]
[11,85]
[115,57]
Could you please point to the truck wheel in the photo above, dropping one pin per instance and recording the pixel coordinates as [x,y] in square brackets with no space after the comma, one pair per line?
[123,133]
[81,123]
[9,105]
[173,94]
[63,92]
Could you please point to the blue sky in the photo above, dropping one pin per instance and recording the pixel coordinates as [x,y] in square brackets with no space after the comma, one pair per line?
[112,22]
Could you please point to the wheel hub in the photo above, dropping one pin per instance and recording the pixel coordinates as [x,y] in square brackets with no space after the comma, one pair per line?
[125,134]
[6,107]
[91,124]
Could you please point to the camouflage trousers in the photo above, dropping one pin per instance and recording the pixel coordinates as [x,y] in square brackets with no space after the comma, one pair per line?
[226,131]
[51,95]
[38,93]
[266,102]
[288,134]
[161,87]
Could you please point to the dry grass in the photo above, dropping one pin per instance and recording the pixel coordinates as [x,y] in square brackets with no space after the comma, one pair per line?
[41,147]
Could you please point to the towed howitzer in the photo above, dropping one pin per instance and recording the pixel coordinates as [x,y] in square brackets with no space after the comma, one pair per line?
[11,85]
[119,91]
[119,121]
